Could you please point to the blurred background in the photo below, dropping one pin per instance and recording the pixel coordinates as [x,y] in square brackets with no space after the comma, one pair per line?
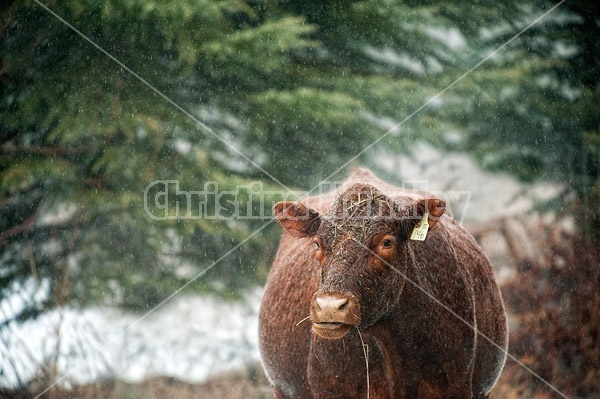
[98,299]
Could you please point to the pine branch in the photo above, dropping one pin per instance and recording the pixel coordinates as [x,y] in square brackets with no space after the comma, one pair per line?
[51,151]
[20,228]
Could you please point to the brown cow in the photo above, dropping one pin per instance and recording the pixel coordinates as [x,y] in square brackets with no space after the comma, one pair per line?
[429,312]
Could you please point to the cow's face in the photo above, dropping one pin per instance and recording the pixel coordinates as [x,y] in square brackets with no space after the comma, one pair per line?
[361,245]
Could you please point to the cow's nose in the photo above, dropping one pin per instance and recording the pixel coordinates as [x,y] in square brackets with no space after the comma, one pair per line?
[335,308]
[331,303]
[333,315]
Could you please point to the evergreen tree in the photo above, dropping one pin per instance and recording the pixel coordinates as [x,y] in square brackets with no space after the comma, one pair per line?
[230,92]
[532,109]
[82,138]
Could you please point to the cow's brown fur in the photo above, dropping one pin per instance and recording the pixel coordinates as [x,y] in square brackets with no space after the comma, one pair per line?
[415,303]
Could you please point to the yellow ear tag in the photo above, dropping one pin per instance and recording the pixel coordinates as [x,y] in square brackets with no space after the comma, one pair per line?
[420,231]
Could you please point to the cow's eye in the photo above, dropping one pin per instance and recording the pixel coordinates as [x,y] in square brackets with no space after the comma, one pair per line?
[317,245]
[387,242]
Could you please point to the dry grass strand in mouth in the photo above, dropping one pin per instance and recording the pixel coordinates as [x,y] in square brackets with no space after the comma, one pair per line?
[303,320]
[365,349]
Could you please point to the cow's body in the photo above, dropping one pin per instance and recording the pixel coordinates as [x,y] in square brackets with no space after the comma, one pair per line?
[416,313]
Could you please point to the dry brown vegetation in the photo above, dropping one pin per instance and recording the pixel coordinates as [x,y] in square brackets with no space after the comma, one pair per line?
[555,306]
[249,383]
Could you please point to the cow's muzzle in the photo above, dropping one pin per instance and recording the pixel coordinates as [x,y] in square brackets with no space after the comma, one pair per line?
[333,315]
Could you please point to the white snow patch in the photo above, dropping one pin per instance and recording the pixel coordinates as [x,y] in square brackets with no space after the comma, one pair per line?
[451,37]
[392,57]
[190,338]
[491,195]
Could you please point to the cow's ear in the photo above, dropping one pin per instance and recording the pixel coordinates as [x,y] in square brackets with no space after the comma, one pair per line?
[435,207]
[297,219]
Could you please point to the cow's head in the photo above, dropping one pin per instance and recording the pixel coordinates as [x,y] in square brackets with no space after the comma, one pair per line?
[358,242]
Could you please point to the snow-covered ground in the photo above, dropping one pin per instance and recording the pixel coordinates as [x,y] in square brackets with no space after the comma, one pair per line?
[190,337]
[475,195]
